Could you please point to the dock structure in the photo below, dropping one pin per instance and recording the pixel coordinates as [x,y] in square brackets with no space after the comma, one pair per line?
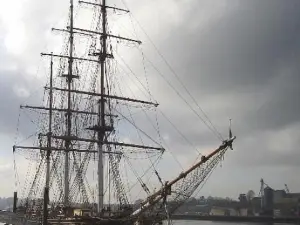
[248,219]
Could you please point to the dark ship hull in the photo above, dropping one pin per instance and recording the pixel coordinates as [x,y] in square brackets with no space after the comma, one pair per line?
[105,221]
[20,218]
[16,219]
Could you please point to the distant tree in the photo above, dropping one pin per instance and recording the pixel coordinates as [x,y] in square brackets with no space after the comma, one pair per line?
[202,200]
[250,195]
[139,201]
[228,199]
[192,201]
[210,198]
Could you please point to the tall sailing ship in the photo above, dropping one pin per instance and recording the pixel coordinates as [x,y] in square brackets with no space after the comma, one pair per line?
[79,124]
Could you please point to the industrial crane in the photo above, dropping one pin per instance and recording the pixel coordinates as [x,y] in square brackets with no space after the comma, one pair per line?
[287,190]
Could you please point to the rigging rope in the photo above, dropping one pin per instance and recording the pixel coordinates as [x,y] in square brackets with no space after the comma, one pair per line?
[216,133]
[149,156]
[178,131]
[210,125]
[17,180]
[138,128]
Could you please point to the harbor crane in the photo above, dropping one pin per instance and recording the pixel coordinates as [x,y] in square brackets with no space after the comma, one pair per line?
[287,190]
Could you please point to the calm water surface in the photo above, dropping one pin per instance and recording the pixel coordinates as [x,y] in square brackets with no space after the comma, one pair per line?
[195,222]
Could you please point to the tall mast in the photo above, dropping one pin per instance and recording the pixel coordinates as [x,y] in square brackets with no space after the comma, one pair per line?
[50,124]
[69,112]
[102,109]
[102,127]
[46,191]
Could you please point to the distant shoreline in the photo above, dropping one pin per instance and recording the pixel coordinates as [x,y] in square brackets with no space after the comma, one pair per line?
[254,219]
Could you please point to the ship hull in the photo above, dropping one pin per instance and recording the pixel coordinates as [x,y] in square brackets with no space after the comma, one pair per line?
[16,219]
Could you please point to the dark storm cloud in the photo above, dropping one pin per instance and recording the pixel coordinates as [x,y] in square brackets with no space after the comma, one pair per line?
[245,46]
[14,91]
[251,49]
[243,65]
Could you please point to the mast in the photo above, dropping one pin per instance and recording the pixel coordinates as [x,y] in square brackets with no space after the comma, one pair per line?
[102,128]
[69,112]
[101,134]
[100,141]
[46,191]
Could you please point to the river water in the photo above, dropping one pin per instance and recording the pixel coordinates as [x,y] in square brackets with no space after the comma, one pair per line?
[198,222]
[195,222]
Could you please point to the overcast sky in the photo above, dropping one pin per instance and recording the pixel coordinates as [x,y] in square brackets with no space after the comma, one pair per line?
[239,59]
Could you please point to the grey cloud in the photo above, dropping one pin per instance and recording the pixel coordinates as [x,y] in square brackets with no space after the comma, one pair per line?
[246,62]
[11,84]
[244,47]
[242,65]
[252,49]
